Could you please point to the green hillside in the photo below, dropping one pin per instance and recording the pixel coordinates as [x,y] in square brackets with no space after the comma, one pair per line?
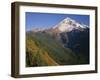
[43,50]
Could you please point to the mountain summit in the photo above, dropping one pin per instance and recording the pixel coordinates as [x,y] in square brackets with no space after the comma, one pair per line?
[68,25]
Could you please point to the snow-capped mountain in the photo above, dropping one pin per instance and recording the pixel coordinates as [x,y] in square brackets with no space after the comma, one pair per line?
[67,37]
[65,25]
[68,25]
[37,30]
[70,34]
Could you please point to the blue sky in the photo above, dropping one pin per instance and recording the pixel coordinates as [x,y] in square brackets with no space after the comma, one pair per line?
[47,20]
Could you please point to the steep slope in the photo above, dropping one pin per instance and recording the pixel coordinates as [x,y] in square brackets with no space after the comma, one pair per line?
[36,56]
[43,50]
[78,42]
